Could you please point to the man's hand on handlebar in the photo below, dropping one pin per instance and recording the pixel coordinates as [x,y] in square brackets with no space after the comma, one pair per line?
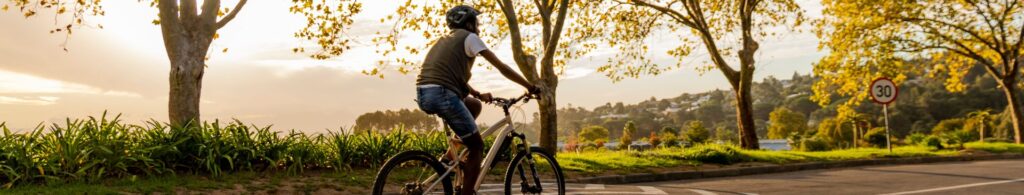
[485,97]
[533,90]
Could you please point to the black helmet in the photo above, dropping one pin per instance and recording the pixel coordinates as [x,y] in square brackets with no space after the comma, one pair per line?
[460,16]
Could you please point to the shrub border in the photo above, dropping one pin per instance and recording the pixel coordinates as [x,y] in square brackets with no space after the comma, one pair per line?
[756,170]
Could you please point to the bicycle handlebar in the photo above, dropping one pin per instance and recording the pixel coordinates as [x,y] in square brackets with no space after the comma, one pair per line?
[506,103]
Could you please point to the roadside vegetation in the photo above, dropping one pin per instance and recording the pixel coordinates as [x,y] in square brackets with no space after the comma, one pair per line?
[89,150]
[106,155]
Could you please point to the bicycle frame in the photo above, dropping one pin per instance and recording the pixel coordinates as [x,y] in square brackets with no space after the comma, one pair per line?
[488,159]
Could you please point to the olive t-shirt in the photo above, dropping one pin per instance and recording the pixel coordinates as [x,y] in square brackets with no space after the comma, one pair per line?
[450,60]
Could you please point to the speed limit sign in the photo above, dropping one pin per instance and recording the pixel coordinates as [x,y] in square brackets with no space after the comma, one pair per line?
[883,91]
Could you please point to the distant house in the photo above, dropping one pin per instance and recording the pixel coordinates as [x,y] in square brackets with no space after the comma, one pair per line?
[614,116]
[796,95]
[672,108]
[696,104]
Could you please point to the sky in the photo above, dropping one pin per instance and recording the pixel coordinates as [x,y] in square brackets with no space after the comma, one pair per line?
[123,69]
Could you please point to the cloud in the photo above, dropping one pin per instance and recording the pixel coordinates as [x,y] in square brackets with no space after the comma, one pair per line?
[32,101]
[18,83]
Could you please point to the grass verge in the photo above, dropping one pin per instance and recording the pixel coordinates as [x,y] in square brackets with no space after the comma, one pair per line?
[632,161]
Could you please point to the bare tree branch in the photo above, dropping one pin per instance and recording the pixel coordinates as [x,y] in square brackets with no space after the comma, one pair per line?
[957,27]
[211,8]
[170,25]
[231,16]
[187,10]
[679,17]
[528,69]
[552,44]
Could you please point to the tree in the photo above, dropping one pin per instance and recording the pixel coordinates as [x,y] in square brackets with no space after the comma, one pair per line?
[669,131]
[188,29]
[696,133]
[670,136]
[980,118]
[671,140]
[948,126]
[835,132]
[654,140]
[545,25]
[870,39]
[725,135]
[410,119]
[710,22]
[785,122]
[593,134]
[627,135]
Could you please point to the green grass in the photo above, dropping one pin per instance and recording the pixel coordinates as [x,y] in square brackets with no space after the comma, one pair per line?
[602,161]
[996,147]
[839,155]
[103,155]
[597,161]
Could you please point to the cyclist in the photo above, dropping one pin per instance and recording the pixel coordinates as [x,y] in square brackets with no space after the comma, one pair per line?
[442,87]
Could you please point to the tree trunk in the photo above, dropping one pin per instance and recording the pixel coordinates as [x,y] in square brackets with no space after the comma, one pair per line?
[187,51]
[548,120]
[982,131]
[186,81]
[1009,88]
[745,120]
[744,108]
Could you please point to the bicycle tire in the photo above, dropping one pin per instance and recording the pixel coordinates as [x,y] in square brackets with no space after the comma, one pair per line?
[517,161]
[381,179]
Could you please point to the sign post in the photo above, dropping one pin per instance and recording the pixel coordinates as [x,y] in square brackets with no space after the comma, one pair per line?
[884,91]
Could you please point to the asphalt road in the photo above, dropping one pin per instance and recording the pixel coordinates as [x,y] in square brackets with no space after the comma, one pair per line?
[975,177]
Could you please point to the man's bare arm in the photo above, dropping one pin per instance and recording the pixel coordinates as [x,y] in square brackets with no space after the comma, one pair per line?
[505,70]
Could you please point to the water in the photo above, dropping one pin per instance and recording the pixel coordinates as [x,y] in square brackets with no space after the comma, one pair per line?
[774,144]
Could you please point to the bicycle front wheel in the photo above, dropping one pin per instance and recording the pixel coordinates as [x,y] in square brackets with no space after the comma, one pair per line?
[414,173]
[535,172]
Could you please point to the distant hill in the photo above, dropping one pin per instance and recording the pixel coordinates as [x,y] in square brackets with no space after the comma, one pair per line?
[922,103]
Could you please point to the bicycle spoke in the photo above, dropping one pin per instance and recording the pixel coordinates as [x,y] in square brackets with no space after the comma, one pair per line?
[408,173]
[534,175]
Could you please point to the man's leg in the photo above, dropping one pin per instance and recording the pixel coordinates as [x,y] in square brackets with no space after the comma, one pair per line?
[462,121]
[474,105]
[475,144]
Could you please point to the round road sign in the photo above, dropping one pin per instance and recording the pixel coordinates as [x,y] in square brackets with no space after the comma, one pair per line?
[883,91]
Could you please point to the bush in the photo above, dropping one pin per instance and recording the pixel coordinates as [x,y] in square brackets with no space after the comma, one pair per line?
[670,140]
[93,149]
[696,133]
[717,154]
[932,141]
[875,137]
[956,139]
[593,134]
[654,140]
[835,133]
[915,139]
[814,143]
[948,125]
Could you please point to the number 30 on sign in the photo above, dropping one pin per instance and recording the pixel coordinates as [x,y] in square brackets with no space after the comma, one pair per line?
[883,91]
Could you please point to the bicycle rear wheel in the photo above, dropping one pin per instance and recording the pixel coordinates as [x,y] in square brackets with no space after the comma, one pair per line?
[408,173]
[534,173]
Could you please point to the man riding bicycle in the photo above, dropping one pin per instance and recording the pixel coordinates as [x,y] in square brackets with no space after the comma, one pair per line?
[442,87]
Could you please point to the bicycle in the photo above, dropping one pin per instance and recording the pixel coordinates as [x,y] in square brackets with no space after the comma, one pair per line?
[526,165]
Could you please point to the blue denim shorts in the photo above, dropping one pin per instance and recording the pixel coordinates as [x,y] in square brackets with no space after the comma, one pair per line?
[435,99]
